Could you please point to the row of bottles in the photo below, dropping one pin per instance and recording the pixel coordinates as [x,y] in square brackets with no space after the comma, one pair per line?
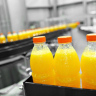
[64,68]
[30,33]
[12,37]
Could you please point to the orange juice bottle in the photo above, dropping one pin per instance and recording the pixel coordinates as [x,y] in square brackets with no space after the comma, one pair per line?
[24,34]
[55,28]
[15,36]
[51,29]
[20,35]
[67,65]
[73,25]
[88,63]
[10,37]
[2,38]
[64,26]
[41,62]
[28,34]
[47,30]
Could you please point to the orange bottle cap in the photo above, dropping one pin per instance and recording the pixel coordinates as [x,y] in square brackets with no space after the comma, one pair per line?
[39,39]
[91,37]
[9,32]
[78,23]
[14,32]
[1,34]
[64,39]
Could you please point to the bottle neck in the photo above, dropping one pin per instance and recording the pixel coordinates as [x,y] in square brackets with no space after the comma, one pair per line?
[91,44]
[39,44]
[2,36]
[65,45]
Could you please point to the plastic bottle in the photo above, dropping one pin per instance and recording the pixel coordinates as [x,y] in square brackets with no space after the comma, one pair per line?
[28,33]
[10,37]
[67,65]
[20,35]
[51,29]
[64,26]
[73,25]
[15,36]
[88,63]
[47,30]
[24,34]
[2,38]
[41,62]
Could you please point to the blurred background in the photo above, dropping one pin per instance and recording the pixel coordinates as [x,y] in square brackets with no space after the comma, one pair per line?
[23,14]
[18,15]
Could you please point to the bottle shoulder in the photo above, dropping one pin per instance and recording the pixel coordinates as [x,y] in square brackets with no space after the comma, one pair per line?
[40,49]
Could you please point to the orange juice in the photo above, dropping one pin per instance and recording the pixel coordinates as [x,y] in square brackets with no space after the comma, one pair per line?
[51,29]
[28,34]
[24,34]
[64,26]
[73,25]
[20,35]
[88,63]
[47,30]
[2,38]
[10,37]
[67,65]
[41,62]
[15,36]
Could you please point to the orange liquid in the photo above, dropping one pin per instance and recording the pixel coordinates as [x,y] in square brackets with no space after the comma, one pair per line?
[41,63]
[67,67]
[20,35]
[88,67]
[2,39]
[15,37]
[10,38]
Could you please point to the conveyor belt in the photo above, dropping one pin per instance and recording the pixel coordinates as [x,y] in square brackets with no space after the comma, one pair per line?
[23,46]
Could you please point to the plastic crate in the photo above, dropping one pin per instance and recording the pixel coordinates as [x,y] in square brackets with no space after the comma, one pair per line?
[33,89]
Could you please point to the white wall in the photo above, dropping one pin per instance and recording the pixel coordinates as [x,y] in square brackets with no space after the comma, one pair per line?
[18,14]
[69,8]
[38,14]
[37,3]
[91,7]
[60,2]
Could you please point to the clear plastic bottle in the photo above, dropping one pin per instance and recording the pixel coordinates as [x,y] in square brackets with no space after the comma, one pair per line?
[67,65]
[20,35]
[15,36]
[88,63]
[10,37]
[41,62]
[2,38]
